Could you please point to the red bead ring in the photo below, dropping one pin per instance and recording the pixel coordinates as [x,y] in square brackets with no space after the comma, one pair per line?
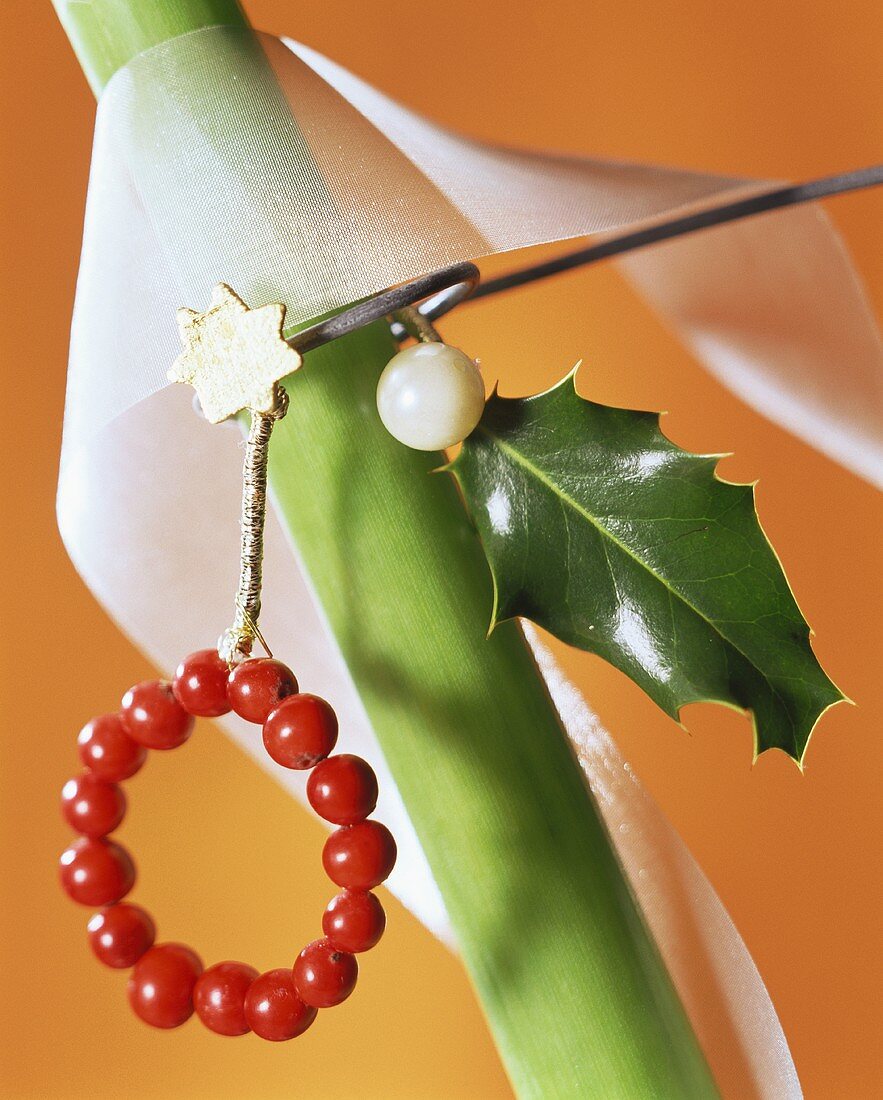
[168,982]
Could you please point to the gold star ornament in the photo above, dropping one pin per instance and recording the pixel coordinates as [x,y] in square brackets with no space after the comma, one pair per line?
[233,356]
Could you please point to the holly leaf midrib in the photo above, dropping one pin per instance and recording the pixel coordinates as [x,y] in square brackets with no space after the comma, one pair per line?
[621,546]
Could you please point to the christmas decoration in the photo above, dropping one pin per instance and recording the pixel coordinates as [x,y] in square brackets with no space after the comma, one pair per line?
[308,192]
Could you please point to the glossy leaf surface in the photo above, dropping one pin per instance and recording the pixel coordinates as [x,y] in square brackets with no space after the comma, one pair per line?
[601,530]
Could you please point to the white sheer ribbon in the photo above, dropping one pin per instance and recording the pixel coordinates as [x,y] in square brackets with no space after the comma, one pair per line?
[220,156]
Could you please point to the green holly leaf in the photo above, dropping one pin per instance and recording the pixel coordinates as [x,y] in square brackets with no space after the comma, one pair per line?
[599,529]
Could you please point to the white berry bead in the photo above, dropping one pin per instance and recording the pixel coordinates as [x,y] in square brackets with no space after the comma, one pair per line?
[430,396]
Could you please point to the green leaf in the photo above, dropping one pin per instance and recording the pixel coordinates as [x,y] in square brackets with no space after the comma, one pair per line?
[602,531]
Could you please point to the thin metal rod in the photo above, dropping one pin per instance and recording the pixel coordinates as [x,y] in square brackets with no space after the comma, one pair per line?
[447,287]
[677,227]
[441,290]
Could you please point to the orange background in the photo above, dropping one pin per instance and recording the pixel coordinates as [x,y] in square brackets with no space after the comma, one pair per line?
[786,90]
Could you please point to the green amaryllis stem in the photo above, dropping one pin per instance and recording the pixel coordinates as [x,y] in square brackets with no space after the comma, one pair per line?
[574,989]
[105,34]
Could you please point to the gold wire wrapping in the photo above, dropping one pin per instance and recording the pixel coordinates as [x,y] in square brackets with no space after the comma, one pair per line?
[237,641]
[417,326]
[234,357]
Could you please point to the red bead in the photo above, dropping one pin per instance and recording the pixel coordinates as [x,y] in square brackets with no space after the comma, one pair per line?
[219,997]
[354,921]
[200,684]
[154,717]
[323,975]
[258,686]
[359,856]
[91,806]
[343,789]
[108,751]
[161,985]
[96,872]
[120,935]
[300,732]
[273,1009]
